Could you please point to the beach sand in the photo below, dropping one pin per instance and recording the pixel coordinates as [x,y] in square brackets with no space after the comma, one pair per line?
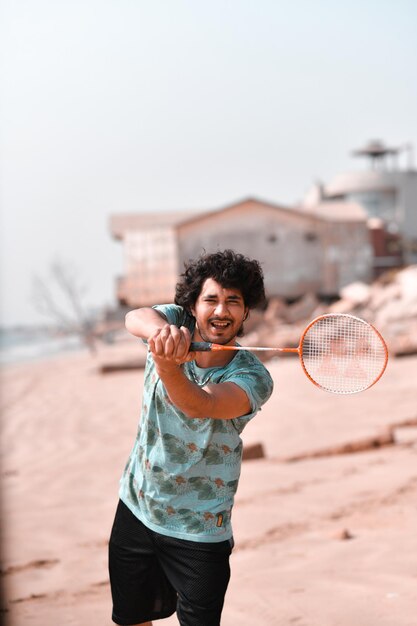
[327,541]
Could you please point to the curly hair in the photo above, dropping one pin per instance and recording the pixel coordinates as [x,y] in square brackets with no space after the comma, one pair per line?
[230,269]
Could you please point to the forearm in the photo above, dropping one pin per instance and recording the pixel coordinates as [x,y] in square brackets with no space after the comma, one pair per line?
[191,399]
[170,350]
[144,322]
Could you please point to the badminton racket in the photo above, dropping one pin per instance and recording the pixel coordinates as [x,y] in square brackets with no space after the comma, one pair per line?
[340,353]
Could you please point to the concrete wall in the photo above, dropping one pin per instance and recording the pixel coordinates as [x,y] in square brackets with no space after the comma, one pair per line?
[285,244]
[407,208]
[395,195]
[347,255]
[151,262]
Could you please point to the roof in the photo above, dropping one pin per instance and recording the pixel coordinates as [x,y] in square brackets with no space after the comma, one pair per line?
[333,211]
[364,180]
[242,203]
[339,211]
[375,148]
[123,222]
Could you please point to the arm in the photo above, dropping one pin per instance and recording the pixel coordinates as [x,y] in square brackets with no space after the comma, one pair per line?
[163,339]
[169,348]
[217,401]
[144,322]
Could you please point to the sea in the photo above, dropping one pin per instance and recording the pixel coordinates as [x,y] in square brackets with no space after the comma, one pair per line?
[23,344]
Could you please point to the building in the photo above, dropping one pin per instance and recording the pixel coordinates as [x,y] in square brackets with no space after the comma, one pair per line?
[388,194]
[319,249]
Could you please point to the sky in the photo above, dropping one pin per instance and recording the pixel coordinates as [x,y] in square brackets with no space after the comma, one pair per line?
[115,106]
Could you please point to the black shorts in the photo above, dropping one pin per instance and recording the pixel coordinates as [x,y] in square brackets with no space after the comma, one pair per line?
[152,575]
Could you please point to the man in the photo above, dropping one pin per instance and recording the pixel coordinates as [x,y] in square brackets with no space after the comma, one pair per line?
[172,537]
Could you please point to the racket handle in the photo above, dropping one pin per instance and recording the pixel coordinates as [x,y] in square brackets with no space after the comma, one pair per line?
[200,346]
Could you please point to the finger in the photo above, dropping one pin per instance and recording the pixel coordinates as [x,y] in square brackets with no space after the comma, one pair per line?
[191,356]
[167,342]
[183,344]
[169,347]
[171,338]
[154,335]
[173,342]
[151,343]
[158,341]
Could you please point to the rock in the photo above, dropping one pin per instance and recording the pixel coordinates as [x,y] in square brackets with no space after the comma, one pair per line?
[302,309]
[342,306]
[407,279]
[255,319]
[406,435]
[343,535]
[385,438]
[276,310]
[380,295]
[357,293]
[121,366]
[253,451]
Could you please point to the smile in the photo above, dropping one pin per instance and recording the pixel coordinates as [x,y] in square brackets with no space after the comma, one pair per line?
[220,324]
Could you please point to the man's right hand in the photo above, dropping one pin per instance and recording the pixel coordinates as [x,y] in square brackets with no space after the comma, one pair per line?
[170,345]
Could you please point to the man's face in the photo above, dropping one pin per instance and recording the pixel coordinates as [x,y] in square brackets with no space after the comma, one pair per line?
[219,312]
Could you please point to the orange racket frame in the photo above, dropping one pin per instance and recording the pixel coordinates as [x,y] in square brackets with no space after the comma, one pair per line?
[206,346]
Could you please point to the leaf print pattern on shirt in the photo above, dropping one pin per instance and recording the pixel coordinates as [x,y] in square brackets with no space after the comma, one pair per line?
[209,489]
[179,451]
[133,490]
[169,484]
[220,426]
[152,434]
[195,522]
[160,405]
[217,454]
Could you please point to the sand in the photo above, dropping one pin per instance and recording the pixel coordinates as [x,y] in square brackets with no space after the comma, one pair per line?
[328,541]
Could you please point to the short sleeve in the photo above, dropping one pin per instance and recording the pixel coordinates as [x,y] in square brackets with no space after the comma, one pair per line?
[258,386]
[176,315]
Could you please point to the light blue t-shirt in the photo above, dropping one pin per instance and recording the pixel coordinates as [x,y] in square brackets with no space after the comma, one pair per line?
[182,474]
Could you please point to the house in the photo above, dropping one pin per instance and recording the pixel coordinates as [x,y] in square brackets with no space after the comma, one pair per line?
[388,194]
[317,250]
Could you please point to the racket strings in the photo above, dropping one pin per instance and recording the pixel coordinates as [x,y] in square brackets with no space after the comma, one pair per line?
[343,354]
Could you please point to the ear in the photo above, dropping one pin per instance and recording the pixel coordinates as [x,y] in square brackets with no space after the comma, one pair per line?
[245,317]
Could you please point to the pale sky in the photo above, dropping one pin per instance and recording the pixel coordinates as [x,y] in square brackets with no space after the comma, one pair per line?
[112,106]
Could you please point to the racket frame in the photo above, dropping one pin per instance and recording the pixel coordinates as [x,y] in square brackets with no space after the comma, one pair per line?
[338,316]
[206,346]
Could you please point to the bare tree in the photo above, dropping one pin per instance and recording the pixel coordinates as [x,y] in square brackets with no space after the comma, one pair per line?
[61,300]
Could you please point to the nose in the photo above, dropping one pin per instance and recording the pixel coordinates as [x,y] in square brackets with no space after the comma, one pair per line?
[221,309]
